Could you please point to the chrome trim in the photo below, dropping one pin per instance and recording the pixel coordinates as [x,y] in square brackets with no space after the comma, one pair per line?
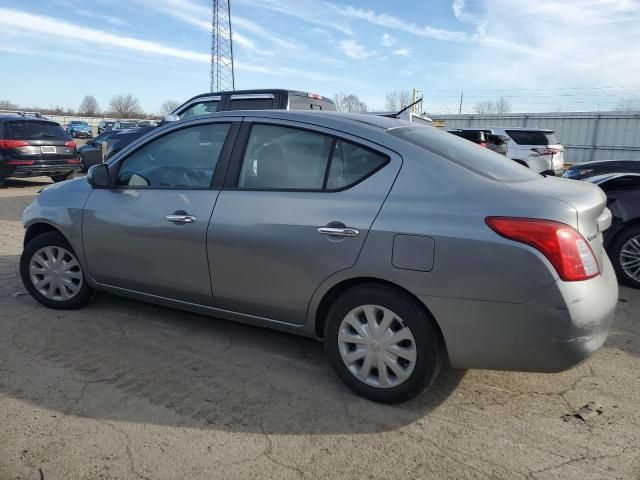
[250,96]
[338,232]
[181,218]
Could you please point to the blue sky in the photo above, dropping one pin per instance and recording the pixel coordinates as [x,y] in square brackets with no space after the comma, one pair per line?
[542,55]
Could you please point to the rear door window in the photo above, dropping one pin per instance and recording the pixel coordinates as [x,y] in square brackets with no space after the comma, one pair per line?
[532,137]
[351,163]
[33,130]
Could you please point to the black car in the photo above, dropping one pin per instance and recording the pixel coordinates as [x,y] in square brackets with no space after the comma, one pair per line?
[582,170]
[33,147]
[622,239]
[91,153]
[277,99]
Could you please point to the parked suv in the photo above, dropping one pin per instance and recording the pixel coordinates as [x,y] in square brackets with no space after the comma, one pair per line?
[32,146]
[535,148]
[203,104]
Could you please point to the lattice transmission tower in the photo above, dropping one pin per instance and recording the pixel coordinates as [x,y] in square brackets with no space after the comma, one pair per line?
[221,47]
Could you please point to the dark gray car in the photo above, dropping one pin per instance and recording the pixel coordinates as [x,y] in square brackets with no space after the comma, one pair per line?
[400,246]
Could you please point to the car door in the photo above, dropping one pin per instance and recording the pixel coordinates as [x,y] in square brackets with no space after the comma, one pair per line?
[296,208]
[148,232]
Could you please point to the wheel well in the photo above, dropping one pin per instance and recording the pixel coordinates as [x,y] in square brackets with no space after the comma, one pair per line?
[626,226]
[340,288]
[521,162]
[37,229]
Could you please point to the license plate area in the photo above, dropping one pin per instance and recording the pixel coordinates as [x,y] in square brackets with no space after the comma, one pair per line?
[48,149]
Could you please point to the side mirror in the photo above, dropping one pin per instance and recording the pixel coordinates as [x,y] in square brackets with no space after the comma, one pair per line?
[98,176]
[171,118]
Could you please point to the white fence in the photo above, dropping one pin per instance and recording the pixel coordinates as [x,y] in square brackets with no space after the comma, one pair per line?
[585,135]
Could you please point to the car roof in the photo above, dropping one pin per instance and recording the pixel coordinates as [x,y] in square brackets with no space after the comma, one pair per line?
[317,117]
[255,92]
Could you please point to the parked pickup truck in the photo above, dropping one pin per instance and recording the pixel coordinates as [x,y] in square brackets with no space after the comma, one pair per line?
[206,103]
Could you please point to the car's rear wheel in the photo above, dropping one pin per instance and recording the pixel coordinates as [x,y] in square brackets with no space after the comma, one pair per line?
[625,256]
[52,274]
[382,343]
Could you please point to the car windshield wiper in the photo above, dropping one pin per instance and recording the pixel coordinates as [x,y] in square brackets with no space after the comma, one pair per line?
[48,135]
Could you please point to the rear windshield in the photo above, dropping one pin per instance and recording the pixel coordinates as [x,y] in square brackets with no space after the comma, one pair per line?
[128,124]
[466,154]
[532,137]
[472,135]
[33,130]
[299,102]
[251,104]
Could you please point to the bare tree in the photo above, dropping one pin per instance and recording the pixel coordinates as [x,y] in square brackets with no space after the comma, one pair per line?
[125,106]
[89,106]
[397,100]
[349,103]
[168,106]
[502,105]
[7,105]
[631,104]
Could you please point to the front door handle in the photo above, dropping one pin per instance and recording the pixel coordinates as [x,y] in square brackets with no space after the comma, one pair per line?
[176,218]
[338,231]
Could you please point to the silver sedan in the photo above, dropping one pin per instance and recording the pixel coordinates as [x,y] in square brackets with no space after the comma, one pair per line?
[402,247]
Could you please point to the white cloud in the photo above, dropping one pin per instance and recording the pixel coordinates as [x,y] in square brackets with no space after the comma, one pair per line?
[391,21]
[387,40]
[309,11]
[353,49]
[402,52]
[118,22]
[458,8]
[39,25]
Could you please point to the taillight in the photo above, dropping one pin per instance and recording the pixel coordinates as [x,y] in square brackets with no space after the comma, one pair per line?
[13,143]
[70,144]
[19,162]
[483,144]
[546,151]
[564,247]
[75,161]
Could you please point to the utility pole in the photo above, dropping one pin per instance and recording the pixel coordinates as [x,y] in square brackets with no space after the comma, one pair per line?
[222,77]
[413,101]
[460,107]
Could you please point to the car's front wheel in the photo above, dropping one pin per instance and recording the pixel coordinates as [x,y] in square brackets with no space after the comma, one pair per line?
[625,256]
[382,343]
[52,274]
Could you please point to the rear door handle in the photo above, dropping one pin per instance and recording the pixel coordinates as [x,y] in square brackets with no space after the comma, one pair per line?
[181,218]
[338,232]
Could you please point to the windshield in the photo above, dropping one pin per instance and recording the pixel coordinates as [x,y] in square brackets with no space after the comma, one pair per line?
[29,130]
[533,137]
[128,124]
[466,154]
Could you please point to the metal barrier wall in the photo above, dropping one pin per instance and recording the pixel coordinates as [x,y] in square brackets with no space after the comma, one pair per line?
[585,135]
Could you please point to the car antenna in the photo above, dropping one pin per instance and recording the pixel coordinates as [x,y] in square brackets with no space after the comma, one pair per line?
[397,115]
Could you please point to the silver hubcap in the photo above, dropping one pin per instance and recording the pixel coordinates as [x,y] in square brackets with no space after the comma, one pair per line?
[55,273]
[630,258]
[376,346]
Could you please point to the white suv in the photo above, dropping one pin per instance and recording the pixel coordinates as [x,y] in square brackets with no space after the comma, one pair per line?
[535,148]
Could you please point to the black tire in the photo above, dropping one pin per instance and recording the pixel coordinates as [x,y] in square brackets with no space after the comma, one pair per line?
[51,239]
[61,178]
[428,341]
[615,250]
[83,166]
[1,182]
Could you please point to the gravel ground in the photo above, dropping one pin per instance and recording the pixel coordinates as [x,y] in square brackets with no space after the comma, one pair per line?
[125,390]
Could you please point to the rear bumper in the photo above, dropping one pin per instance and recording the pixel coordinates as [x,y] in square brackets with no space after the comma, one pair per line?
[22,171]
[552,332]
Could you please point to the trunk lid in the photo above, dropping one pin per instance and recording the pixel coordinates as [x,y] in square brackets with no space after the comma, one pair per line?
[591,218]
[41,142]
